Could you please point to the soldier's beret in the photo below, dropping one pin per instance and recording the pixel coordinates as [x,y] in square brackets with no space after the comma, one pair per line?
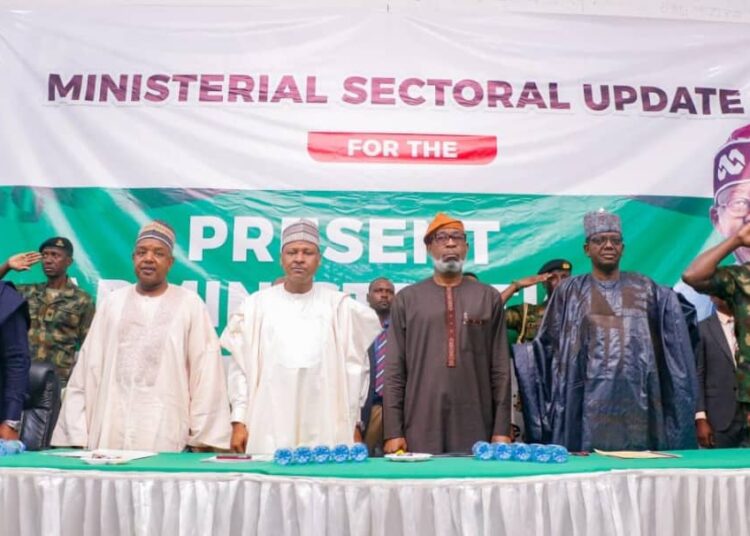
[58,242]
[555,264]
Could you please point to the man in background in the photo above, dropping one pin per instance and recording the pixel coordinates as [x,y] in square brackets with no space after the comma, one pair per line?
[719,421]
[60,312]
[380,297]
[732,284]
[525,318]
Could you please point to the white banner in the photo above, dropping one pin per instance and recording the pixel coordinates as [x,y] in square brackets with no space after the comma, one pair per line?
[290,99]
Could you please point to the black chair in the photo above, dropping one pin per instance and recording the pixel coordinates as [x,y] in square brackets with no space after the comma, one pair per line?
[41,407]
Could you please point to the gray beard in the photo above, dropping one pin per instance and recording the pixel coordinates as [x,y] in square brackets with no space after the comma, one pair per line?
[448,267]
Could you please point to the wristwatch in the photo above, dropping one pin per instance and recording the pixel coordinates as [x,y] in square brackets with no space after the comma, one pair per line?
[16,425]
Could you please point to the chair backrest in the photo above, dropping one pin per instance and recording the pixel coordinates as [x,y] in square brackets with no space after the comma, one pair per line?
[41,407]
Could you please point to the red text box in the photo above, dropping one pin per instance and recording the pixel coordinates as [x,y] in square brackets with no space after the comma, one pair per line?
[385,147]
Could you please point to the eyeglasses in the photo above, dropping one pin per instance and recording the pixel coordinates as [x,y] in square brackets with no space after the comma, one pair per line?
[739,207]
[443,238]
[600,240]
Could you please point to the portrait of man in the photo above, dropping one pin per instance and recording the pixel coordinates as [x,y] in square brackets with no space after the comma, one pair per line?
[732,188]
[731,204]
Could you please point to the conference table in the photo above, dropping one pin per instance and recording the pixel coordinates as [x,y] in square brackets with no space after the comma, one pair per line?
[699,493]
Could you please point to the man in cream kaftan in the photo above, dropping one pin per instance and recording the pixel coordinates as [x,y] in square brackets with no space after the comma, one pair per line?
[299,372]
[149,375]
[302,365]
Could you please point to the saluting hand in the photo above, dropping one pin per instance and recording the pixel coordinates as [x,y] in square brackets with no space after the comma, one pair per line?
[23,261]
[522,283]
[532,280]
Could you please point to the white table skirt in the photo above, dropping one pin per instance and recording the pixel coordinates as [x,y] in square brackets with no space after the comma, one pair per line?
[37,502]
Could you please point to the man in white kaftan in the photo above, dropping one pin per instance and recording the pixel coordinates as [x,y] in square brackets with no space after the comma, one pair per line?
[300,371]
[149,375]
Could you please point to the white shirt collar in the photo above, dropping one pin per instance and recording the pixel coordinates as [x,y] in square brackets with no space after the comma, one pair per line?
[725,319]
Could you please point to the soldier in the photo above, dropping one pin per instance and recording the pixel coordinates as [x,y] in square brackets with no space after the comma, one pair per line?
[60,311]
[525,318]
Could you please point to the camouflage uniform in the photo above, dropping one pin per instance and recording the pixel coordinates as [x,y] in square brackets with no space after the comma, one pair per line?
[525,320]
[59,324]
[732,284]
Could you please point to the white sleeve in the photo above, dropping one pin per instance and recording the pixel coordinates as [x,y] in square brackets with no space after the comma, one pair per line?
[233,339]
[237,387]
[209,407]
[363,326]
[72,426]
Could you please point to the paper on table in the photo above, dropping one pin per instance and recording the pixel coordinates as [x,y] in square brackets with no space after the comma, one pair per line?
[635,454]
[229,459]
[124,455]
[67,453]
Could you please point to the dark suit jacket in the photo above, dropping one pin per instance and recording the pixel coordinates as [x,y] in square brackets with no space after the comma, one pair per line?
[15,358]
[717,382]
[367,408]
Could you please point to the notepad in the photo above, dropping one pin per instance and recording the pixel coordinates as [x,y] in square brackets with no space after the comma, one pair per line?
[635,454]
[224,458]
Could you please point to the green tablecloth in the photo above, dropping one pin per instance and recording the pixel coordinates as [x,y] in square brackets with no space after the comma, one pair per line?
[380,468]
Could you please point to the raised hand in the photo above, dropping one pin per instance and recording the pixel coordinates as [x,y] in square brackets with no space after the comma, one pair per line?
[532,280]
[519,284]
[23,261]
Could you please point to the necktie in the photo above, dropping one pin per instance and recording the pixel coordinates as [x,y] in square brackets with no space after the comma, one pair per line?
[380,343]
[732,340]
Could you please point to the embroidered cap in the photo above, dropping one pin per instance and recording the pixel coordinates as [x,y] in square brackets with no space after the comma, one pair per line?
[732,161]
[601,221]
[301,230]
[158,230]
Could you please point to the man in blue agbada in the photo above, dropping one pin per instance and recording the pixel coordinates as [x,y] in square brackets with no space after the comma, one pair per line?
[612,366]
